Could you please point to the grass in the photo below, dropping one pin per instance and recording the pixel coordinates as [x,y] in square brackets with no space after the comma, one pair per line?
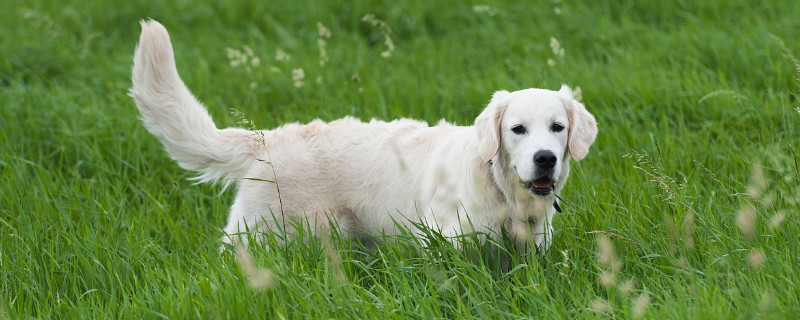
[696,162]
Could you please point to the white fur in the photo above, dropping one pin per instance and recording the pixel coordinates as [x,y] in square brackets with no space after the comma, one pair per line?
[368,175]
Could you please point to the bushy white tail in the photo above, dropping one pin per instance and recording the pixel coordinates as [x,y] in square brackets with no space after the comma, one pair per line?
[176,118]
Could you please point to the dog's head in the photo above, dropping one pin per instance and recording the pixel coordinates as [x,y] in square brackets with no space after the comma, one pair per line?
[535,132]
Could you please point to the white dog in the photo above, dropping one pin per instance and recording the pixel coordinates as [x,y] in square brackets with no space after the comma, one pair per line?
[502,172]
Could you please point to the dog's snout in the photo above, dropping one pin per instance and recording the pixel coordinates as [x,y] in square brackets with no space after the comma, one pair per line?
[545,159]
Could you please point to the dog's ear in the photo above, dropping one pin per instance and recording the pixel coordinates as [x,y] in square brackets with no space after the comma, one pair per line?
[488,125]
[582,125]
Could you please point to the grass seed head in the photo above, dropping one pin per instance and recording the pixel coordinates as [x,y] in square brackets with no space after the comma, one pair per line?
[558,51]
[323,31]
[281,55]
[758,183]
[640,305]
[756,258]
[627,286]
[334,258]
[605,254]
[600,305]
[607,279]
[746,220]
[767,301]
[257,278]
[673,234]
[385,29]
[297,76]
[777,220]
[688,226]
[485,9]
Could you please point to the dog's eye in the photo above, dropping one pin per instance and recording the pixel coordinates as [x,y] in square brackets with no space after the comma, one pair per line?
[519,129]
[556,127]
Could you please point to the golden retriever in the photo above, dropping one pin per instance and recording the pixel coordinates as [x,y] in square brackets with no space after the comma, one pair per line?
[504,171]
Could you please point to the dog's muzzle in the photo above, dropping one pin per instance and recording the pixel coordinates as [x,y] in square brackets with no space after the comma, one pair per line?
[543,186]
[545,161]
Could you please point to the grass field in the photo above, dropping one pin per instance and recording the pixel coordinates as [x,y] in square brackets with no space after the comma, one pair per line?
[695,166]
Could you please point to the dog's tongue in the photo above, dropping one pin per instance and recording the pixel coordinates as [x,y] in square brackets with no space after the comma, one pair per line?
[542,183]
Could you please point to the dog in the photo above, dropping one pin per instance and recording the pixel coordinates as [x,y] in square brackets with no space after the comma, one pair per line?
[503,172]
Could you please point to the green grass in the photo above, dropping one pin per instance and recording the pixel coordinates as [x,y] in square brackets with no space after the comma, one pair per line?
[97,222]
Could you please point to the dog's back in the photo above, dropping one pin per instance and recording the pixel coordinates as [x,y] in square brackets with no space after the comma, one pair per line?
[358,171]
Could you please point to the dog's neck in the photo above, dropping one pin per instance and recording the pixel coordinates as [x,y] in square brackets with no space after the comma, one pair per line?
[486,169]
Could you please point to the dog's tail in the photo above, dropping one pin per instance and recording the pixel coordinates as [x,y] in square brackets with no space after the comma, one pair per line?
[175,117]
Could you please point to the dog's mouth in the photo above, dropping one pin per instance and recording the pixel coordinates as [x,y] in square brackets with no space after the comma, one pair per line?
[542,186]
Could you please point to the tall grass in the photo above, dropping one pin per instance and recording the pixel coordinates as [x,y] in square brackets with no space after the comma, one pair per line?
[686,206]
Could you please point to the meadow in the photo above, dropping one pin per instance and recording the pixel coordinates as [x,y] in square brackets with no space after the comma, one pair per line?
[686,206]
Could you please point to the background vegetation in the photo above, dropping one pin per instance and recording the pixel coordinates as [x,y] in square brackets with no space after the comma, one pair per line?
[695,170]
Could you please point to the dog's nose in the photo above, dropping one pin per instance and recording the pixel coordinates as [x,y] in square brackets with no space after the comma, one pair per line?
[545,159]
